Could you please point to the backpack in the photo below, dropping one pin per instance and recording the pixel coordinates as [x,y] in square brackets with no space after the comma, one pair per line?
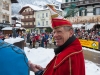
[13,60]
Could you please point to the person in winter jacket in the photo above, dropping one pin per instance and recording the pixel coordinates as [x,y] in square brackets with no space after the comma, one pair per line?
[34,41]
[13,60]
[68,59]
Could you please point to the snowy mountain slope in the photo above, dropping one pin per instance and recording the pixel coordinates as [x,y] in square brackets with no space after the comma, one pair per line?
[17,6]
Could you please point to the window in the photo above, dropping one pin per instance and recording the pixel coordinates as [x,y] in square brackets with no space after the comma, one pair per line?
[38,23]
[97,11]
[36,31]
[57,7]
[38,16]
[46,22]
[43,15]
[83,12]
[46,14]
[3,16]
[28,23]
[25,17]
[24,23]
[5,6]
[28,16]
[41,30]
[42,23]
[7,18]
[80,12]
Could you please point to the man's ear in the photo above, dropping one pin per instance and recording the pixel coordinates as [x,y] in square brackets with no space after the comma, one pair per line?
[71,33]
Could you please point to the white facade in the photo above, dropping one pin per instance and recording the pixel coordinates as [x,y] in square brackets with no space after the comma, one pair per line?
[5,11]
[91,12]
[43,20]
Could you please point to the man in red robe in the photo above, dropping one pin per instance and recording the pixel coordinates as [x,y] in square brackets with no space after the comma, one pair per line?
[69,59]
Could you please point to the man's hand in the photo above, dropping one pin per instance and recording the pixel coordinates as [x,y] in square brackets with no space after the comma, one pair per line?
[34,67]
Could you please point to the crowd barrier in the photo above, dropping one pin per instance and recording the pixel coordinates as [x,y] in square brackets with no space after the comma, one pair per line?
[90,44]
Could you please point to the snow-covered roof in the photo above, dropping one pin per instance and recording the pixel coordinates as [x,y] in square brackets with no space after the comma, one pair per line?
[36,8]
[10,28]
[7,28]
[13,40]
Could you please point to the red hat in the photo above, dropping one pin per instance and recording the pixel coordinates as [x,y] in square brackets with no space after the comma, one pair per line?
[60,22]
[57,20]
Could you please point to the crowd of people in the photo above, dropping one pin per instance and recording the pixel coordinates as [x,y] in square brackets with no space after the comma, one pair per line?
[42,40]
[34,39]
[46,39]
[89,34]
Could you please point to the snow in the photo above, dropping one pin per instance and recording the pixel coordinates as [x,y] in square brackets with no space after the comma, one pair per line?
[7,28]
[42,56]
[13,40]
[34,7]
[92,50]
[17,27]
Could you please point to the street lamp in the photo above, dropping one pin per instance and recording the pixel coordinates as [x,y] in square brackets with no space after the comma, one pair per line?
[14,25]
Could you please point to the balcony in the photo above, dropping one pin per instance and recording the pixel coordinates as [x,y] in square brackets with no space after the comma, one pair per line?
[28,26]
[28,20]
[28,13]
[80,3]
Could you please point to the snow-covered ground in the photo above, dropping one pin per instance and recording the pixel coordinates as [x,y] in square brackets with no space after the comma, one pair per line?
[42,56]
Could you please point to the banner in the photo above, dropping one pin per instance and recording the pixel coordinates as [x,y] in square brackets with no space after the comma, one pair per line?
[89,44]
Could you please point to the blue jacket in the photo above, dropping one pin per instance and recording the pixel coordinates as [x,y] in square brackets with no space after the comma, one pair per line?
[13,60]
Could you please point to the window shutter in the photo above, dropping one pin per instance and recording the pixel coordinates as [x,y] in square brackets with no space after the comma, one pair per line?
[66,0]
[73,14]
[85,12]
[94,11]
[80,13]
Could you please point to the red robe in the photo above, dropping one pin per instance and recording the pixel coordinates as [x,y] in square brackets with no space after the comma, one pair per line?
[68,62]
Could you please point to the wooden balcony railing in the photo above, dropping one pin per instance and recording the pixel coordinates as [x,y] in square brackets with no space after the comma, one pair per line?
[28,20]
[28,13]
[28,26]
[80,3]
